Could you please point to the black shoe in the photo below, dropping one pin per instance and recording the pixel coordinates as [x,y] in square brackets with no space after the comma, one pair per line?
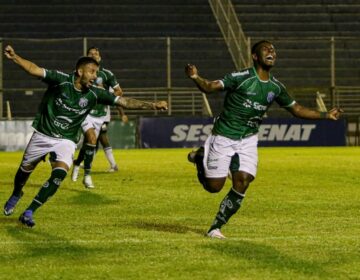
[196,155]
[27,219]
[11,203]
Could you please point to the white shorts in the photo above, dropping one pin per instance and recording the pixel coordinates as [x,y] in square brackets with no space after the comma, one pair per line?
[219,151]
[108,115]
[93,122]
[40,145]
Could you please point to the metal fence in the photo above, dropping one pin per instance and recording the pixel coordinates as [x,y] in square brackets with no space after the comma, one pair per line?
[145,66]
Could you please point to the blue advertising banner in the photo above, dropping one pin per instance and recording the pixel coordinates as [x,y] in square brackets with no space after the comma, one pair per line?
[192,132]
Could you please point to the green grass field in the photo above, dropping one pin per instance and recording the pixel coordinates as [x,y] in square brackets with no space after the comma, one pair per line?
[300,220]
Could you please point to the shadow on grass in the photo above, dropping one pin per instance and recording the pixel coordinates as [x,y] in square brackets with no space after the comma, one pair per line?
[86,197]
[166,227]
[30,243]
[267,257]
[8,220]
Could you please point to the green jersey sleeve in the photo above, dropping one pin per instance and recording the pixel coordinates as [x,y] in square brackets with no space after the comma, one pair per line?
[105,97]
[230,82]
[233,80]
[55,77]
[111,81]
[284,99]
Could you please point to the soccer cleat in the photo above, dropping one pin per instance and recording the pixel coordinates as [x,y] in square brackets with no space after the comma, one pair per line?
[197,158]
[75,173]
[114,168]
[194,156]
[11,203]
[215,233]
[27,219]
[88,182]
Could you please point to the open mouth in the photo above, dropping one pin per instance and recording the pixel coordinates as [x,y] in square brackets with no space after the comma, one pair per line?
[269,58]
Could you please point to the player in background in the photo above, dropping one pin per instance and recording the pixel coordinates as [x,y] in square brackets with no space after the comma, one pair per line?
[65,104]
[104,140]
[95,122]
[233,141]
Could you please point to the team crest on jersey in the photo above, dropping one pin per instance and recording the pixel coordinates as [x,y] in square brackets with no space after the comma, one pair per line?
[64,94]
[270,96]
[99,81]
[83,102]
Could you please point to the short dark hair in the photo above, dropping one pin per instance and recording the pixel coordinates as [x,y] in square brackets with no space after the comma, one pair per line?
[92,48]
[257,44]
[85,60]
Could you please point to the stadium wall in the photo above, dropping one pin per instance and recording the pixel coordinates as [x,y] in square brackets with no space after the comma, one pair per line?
[192,132]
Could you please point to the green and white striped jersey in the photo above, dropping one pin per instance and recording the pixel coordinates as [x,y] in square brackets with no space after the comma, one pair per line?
[246,101]
[63,107]
[105,79]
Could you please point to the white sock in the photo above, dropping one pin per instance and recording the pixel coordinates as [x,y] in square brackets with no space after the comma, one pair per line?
[109,155]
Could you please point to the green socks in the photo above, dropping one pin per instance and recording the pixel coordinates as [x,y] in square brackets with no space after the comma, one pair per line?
[20,180]
[228,207]
[48,189]
[89,157]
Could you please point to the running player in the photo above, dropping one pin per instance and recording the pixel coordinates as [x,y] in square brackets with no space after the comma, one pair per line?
[95,125]
[65,105]
[233,142]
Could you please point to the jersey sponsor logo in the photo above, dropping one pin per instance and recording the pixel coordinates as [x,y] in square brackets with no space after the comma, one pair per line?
[270,96]
[250,93]
[236,74]
[65,118]
[286,132]
[60,103]
[194,132]
[83,102]
[255,105]
[62,122]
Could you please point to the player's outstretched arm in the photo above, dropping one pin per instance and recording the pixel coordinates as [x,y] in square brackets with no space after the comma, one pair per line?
[130,103]
[305,113]
[119,92]
[27,65]
[204,85]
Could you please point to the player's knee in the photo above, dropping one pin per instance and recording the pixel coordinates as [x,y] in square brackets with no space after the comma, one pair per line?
[91,140]
[213,186]
[241,181]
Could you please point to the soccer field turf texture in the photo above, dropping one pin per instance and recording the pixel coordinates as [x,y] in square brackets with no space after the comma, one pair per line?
[299,220]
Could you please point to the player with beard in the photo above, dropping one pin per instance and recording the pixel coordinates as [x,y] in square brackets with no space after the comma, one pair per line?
[65,104]
[233,141]
[95,125]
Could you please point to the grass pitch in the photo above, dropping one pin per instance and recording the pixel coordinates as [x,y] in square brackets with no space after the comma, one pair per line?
[300,220]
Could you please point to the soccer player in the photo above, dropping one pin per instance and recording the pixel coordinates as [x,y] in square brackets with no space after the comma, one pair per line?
[233,141]
[95,125]
[65,105]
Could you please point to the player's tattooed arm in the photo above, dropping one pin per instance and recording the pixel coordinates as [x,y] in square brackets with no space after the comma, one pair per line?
[130,103]
[306,113]
[203,84]
[27,65]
